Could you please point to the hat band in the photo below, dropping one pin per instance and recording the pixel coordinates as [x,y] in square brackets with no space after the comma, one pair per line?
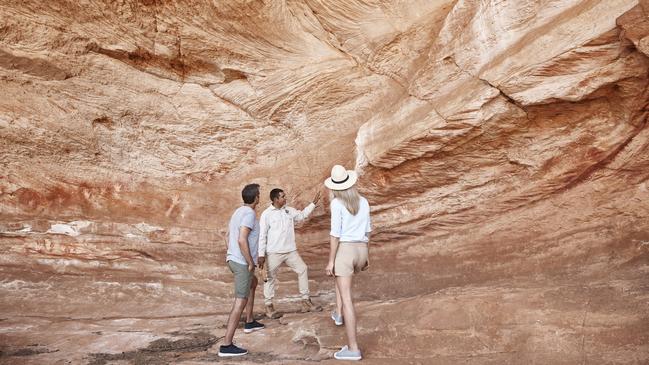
[341,181]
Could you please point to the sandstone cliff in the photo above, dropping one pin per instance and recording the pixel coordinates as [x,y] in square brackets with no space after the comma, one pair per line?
[502,145]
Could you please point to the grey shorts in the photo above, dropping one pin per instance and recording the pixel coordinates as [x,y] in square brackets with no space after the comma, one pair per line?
[242,279]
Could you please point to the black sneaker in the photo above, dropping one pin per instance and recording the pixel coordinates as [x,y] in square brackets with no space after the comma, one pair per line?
[252,326]
[231,350]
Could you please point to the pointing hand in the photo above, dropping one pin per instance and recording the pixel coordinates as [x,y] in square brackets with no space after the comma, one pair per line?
[316,198]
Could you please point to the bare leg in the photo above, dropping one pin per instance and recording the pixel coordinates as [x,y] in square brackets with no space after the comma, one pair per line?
[345,287]
[251,300]
[339,300]
[233,320]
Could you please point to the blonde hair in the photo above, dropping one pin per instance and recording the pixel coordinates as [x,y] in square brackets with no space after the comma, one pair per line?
[349,198]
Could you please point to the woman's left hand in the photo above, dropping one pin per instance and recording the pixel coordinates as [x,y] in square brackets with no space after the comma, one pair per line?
[366,266]
[329,270]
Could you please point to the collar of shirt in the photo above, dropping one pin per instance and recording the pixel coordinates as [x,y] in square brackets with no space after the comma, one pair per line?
[272,207]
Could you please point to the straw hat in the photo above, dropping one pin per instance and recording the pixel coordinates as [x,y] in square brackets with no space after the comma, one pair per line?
[341,179]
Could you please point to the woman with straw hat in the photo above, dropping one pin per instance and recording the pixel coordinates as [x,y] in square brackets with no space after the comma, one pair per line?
[348,255]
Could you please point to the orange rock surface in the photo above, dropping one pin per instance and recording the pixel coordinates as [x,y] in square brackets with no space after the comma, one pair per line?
[503,146]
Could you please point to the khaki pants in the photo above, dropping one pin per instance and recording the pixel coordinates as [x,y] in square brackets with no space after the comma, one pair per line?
[294,261]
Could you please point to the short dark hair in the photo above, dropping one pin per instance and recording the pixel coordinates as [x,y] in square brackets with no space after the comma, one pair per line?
[249,193]
[274,194]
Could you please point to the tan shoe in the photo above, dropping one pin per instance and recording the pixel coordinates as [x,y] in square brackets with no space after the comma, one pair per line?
[271,312]
[308,306]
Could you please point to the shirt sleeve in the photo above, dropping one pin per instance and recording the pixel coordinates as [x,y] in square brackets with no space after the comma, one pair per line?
[300,215]
[263,234]
[336,219]
[248,220]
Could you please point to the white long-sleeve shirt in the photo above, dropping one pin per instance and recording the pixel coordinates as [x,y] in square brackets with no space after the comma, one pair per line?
[277,228]
[348,227]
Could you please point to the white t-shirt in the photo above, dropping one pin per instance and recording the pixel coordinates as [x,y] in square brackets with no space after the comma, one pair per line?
[348,227]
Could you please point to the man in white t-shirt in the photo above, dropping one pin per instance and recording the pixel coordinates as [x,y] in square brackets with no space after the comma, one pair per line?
[242,238]
[277,246]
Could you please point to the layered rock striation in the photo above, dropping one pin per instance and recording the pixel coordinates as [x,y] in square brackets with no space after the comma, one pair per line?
[502,146]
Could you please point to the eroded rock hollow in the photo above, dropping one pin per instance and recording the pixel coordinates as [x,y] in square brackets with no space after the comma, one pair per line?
[503,146]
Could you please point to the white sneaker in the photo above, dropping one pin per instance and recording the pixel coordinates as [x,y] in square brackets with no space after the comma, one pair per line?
[338,319]
[345,354]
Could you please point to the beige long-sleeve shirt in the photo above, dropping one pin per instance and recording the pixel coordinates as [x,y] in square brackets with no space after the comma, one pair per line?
[277,228]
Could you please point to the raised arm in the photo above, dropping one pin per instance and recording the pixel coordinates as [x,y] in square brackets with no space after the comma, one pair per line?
[300,215]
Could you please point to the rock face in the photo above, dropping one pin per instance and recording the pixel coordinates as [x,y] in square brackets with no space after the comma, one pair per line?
[503,146]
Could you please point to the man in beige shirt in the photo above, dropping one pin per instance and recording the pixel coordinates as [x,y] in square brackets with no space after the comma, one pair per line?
[277,246]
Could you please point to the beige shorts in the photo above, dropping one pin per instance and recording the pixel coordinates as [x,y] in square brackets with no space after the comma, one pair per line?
[351,257]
